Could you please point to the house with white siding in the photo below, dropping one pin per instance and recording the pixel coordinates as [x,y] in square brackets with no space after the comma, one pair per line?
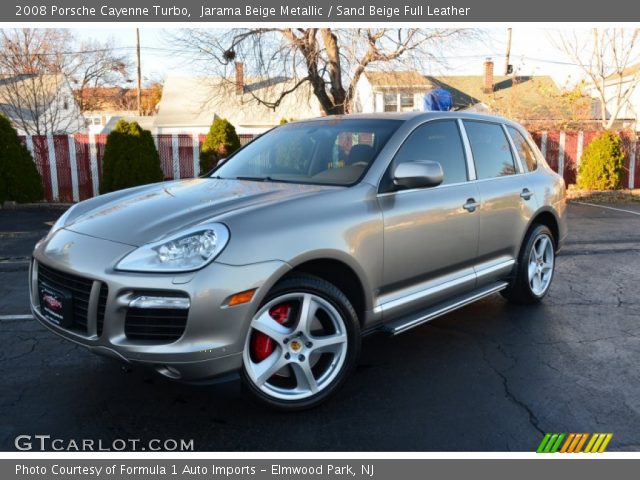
[536,100]
[391,91]
[40,104]
[629,114]
[189,104]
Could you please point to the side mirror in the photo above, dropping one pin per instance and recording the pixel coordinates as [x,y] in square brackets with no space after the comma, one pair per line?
[418,174]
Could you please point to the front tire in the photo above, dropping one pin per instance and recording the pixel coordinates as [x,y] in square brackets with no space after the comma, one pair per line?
[536,263]
[302,344]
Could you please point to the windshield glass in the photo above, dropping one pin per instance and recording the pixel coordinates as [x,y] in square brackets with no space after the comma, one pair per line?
[318,152]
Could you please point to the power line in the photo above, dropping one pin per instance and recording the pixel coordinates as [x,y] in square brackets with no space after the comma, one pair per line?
[173,51]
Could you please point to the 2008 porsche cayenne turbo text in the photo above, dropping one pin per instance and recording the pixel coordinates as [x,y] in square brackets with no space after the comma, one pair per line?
[277,262]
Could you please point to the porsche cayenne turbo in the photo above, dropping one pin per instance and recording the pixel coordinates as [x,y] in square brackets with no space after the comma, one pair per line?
[277,262]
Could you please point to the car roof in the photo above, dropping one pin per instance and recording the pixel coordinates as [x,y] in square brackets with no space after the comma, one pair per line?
[406,116]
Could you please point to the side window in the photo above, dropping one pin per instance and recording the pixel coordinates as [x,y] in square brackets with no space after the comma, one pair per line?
[491,151]
[438,141]
[524,150]
[390,102]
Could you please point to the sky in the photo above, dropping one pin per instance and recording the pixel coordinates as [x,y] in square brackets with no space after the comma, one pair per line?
[532,53]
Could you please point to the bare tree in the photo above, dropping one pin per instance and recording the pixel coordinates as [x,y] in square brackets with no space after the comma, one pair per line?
[34,90]
[95,65]
[36,68]
[35,50]
[605,55]
[330,61]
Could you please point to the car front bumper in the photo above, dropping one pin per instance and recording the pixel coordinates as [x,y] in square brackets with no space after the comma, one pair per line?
[214,334]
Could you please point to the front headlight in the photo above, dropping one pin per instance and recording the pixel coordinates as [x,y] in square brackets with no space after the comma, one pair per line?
[189,250]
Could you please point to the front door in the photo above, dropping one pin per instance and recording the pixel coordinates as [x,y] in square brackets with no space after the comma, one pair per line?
[430,234]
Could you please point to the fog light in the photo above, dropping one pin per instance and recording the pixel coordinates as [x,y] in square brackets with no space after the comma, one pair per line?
[146,301]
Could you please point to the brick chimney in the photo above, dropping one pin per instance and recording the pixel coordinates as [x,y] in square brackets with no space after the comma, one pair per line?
[239,78]
[487,83]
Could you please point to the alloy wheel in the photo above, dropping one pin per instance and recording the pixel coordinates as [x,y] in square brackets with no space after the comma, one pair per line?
[303,345]
[540,269]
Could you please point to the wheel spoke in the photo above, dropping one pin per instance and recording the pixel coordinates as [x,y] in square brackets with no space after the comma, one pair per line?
[329,343]
[268,367]
[547,267]
[532,270]
[307,313]
[535,283]
[267,325]
[304,376]
[542,246]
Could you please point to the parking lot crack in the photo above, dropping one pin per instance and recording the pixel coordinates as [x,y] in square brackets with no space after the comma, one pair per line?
[509,394]
[34,343]
[533,419]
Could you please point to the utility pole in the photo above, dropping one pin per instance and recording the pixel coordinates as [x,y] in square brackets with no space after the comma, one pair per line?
[139,70]
[508,68]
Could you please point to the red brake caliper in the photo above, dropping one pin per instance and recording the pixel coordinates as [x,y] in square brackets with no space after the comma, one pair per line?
[262,345]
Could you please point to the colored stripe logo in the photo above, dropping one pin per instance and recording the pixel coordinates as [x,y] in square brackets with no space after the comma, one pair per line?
[574,442]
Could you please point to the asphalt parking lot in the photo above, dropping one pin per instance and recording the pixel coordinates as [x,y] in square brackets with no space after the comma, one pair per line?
[490,377]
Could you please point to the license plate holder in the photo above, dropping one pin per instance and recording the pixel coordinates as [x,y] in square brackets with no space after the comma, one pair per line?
[56,305]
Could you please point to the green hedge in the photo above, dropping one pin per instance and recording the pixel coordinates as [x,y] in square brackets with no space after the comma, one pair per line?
[19,178]
[602,163]
[222,140]
[130,158]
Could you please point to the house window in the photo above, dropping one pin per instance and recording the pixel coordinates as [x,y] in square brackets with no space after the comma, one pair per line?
[390,102]
[406,102]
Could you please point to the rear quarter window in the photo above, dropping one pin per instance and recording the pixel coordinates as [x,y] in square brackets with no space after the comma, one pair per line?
[523,150]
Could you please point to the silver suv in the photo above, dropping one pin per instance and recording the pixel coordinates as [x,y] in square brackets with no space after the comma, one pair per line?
[277,262]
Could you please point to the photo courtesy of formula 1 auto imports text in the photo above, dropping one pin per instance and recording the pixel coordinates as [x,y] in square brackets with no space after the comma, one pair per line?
[319,239]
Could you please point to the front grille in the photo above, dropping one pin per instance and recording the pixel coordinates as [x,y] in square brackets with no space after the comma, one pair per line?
[102,305]
[158,324]
[80,288]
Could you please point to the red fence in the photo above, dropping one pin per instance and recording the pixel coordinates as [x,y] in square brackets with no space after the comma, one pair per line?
[564,149]
[71,165]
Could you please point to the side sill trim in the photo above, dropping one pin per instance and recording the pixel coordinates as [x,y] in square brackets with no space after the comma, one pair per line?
[398,302]
[442,309]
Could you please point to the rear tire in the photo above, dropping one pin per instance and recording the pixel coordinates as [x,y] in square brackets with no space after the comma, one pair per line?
[536,263]
[311,354]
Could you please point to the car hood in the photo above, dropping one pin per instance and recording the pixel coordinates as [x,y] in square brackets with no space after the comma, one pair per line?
[145,214]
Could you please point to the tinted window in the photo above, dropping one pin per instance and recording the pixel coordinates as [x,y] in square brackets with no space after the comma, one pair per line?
[331,152]
[439,142]
[491,151]
[524,150]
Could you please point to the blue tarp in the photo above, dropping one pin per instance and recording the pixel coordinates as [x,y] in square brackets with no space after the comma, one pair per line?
[438,99]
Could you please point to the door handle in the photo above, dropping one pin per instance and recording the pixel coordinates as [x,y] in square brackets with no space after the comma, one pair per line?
[471,205]
[526,194]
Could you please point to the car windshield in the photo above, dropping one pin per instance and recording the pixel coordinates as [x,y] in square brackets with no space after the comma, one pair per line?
[321,152]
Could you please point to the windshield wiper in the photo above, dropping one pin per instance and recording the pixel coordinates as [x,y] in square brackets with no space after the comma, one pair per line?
[256,179]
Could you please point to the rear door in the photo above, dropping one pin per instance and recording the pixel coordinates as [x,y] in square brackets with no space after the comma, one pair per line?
[430,239]
[506,202]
